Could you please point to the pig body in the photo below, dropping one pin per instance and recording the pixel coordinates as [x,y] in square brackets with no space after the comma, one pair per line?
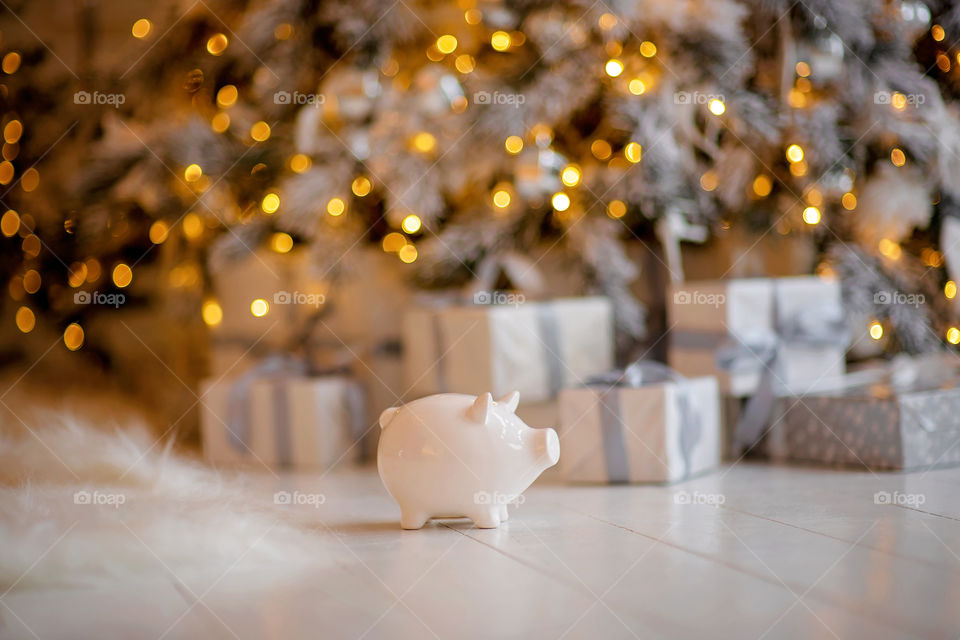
[455,455]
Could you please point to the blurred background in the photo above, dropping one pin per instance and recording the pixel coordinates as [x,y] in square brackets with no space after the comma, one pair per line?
[190,187]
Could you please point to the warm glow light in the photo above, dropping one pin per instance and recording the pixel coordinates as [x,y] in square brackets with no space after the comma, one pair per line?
[122,275]
[393,242]
[447,44]
[30,179]
[613,67]
[73,336]
[616,209]
[811,215]
[570,176]
[158,232]
[407,253]
[500,41]
[300,163]
[607,21]
[953,335]
[31,281]
[803,69]
[217,44]
[633,152]
[141,28]
[281,242]
[937,32]
[11,62]
[762,185]
[648,49]
[897,157]
[411,223]
[220,122]
[472,16]
[10,223]
[424,142]
[637,87]
[950,289]
[513,144]
[898,101]
[876,330]
[501,199]
[814,197]
[192,173]
[361,186]
[211,312]
[12,132]
[798,168]
[259,307]
[270,203]
[849,201]
[336,206]
[6,172]
[716,107]
[794,153]
[227,95]
[600,149]
[465,63]
[260,131]
[890,249]
[283,31]
[709,181]
[560,201]
[26,320]
[192,226]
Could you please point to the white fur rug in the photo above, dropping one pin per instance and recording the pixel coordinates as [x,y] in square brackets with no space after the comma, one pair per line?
[81,505]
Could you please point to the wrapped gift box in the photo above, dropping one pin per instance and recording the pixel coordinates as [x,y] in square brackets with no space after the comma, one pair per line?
[800,319]
[282,421]
[659,432]
[535,348]
[877,427]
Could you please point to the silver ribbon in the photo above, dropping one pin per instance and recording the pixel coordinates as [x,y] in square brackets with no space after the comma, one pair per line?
[639,374]
[550,338]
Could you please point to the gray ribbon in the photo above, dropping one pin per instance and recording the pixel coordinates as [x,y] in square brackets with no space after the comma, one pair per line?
[639,374]
[275,368]
[550,338]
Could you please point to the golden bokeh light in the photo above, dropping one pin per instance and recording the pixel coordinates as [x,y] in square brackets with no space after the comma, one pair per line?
[122,275]
[259,307]
[411,223]
[141,28]
[361,186]
[407,253]
[26,320]
[217,44]
[270,203]
[73,336]
[211,312]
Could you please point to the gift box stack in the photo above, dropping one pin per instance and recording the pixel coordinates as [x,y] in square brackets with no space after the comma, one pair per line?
[760,337]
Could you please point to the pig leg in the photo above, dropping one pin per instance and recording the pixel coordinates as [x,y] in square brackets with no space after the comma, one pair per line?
[412,519]
[503,513]
[487,518]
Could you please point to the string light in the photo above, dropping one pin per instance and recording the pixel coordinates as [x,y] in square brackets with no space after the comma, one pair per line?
[12,132]
[6,172]
[616,209]
[937,32]
[361,186]
[192,173]
[613,67]
[424,142]
[10,223]
[849,201]
[716,107]
[11,62]
[336,207]
[570,176]
[26,320]
[811,215]
[472,16]
[500,40]
[270,203]
[407,253]
[227,96]
[281,242]
[192,226]
[890,249]
[814,197]
[211,312]
[259,307]
[411,223]
[217,44]
[465,63]
[300,162]
[141,28]
[283,31]
[648,49]
[560,201]
[73,336]
[950,289]
[798,168]
[607,21]
[600,149]
[30,179]
[637,87]
[158,232]
[897,157]
[633,152]
[898,101]
[802,69]
[762,185]
[122,275]
[876,330]
[794,153]
[513,144]
[220,122]
[32,281]
[393,242]
[709,181]
[260,131]
[953,335]
[447,44]
[501,199]
[76,274]
[31,245]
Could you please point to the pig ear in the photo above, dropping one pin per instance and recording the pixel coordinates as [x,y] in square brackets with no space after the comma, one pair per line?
[479,411]
[387,416]
[511,400]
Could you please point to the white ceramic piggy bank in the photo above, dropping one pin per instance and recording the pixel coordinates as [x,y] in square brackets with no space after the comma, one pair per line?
[454,455]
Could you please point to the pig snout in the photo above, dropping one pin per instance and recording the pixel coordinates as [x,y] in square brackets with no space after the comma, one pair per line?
[547,445]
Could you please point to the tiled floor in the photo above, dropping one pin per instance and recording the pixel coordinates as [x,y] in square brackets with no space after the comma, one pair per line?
[751,551]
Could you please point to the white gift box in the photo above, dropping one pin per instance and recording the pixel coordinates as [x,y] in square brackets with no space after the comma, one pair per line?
[282,421]
[755,313]
[535,348]
[659,432]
